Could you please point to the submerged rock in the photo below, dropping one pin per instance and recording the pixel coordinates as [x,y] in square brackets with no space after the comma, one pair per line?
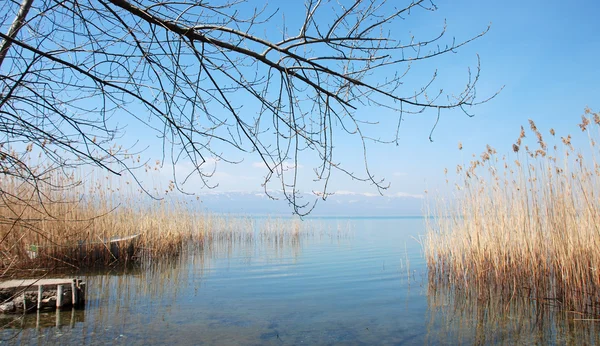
[7,307]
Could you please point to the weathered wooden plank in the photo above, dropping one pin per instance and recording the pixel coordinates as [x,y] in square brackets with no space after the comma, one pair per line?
[120,239]
[34,282]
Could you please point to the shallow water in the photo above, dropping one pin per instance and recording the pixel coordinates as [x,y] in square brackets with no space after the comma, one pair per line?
[350,281]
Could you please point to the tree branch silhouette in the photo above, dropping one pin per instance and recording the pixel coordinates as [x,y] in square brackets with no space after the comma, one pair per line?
[210,79]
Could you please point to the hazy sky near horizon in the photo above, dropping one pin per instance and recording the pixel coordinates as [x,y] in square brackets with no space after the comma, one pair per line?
[542,53]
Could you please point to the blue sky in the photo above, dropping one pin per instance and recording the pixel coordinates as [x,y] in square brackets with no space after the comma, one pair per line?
[545,55]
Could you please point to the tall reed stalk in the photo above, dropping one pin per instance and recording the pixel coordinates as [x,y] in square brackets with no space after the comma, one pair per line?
[68,220]
[526,224]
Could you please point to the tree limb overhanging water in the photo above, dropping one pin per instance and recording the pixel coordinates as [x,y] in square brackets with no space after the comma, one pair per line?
[216,81]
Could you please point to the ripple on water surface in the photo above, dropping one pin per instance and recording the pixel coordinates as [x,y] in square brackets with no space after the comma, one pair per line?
[366,284]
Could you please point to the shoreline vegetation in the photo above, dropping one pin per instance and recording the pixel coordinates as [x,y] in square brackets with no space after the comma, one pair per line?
[63,221]
[524,224]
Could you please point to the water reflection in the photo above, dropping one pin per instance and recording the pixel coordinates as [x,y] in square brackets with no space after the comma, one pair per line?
[459,317]
[65,318]
[124,303]
[363,283]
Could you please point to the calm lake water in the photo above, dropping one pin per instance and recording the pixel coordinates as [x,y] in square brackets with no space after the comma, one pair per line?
[359,281]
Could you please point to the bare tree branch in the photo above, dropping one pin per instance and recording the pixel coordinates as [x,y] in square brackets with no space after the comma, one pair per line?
[15,27]
[211,80]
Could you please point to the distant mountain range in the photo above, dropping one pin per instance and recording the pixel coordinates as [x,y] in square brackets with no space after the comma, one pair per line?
[342,203]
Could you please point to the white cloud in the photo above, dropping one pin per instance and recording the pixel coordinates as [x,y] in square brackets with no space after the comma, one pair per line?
[404,194]
[344,192]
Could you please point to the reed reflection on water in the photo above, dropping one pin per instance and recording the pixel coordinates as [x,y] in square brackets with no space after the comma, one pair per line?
[457,316]
[118,296]
[358,281]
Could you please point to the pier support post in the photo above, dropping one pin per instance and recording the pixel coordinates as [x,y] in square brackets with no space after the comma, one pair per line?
[81,298]
[59,296]
[74,292]
[39,301]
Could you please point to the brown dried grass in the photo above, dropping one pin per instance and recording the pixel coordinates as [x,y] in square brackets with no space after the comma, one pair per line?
[526,225]
[68,220]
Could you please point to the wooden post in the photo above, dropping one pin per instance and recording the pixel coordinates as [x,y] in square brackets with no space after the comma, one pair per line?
[81,293]
[59,296]
[39,302]
[73,292]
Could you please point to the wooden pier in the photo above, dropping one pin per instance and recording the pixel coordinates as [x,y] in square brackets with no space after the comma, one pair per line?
[37,294]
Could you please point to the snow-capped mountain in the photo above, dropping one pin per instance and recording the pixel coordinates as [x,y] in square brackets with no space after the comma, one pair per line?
[341,203]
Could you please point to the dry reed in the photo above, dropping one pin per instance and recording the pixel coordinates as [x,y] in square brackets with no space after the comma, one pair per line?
[526,224]
[69,220]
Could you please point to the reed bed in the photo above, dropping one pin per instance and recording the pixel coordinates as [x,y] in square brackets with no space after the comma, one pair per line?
[69,220]
[524,224]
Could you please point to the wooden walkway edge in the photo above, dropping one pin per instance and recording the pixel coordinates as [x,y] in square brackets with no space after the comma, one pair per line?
[23,295]
[33,282]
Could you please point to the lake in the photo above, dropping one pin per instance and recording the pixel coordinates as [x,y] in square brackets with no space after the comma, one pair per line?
[350,281]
